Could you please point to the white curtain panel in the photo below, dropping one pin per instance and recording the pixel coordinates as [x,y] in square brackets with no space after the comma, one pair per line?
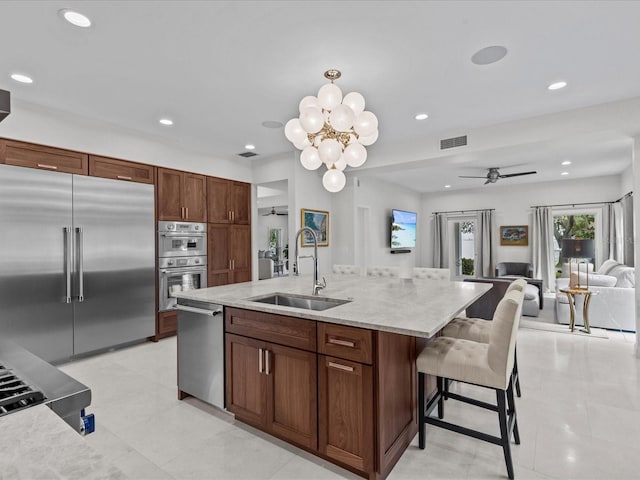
[615,233]
[487,244]
[627,229]
[543,255]
[440,241]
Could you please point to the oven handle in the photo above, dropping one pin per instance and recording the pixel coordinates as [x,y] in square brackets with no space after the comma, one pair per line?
[201,311]
[182,234]
[166,271]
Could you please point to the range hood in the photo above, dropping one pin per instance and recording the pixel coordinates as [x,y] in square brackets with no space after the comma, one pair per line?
[5,104]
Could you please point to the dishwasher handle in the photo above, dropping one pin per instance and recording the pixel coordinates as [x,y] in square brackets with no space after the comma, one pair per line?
[201,311]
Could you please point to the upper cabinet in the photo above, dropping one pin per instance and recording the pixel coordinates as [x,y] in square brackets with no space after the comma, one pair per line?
[120,169]
[228,201]
[45,158]
[181,196]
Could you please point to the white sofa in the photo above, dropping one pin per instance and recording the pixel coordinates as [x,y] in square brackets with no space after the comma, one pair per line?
[613,302]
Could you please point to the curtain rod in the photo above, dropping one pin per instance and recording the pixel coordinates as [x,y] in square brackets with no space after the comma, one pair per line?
[466,211]
[584,203]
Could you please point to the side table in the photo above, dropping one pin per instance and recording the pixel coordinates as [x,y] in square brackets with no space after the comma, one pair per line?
[571,293]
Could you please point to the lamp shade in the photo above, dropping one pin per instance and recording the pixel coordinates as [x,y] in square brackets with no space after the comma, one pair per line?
[578,248]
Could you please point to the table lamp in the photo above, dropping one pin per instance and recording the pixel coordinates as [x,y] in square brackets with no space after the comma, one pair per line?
[578,249]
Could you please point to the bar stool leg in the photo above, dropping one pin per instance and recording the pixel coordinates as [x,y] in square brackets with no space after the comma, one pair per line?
[440,382]
[512,412]
[504,431]
[516,374]
[421,407]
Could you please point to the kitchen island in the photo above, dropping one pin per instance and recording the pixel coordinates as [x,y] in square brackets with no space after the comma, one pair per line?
[340,382]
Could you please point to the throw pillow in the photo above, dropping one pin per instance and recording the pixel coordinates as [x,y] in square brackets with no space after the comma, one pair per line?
[606,267]
[625,276]
[595,280]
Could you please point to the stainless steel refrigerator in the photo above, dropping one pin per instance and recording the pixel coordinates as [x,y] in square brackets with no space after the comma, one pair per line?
[77,262]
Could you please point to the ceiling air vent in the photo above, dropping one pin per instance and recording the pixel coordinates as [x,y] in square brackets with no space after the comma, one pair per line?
[247,154]
[453,142]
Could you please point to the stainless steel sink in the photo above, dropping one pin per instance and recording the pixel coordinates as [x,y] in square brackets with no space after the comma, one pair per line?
[307,302]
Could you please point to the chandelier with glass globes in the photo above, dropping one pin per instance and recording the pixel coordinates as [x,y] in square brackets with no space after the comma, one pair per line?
[333,130]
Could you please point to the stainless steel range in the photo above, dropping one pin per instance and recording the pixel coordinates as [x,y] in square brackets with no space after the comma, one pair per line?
[182,260]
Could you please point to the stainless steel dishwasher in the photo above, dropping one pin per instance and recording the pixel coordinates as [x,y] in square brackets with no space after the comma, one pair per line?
[201,351]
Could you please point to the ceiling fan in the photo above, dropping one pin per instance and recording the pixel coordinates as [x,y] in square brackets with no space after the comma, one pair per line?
[494,175]
[273,212]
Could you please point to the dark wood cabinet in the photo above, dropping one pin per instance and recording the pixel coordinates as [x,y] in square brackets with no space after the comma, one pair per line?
[181,196]
[31,155]
[167,324]
[270,385]
[121,170]
[228,254]
[228,201]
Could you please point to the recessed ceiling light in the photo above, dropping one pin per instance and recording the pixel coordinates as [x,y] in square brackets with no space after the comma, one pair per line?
[166,121]
[19,77]
[248,146]
[564,173]
[557,85]
[566,162]
[422,116]
[75,18]
[447,186]
[489,55]
[272,124]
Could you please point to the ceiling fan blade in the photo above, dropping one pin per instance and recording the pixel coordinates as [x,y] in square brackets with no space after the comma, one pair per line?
[517,174]
[282,213]
[466,176]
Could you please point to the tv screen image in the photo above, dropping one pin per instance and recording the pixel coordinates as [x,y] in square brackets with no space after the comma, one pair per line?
[403,229]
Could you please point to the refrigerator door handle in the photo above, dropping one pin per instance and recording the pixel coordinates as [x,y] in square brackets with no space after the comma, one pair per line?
[67,263]
[79,255]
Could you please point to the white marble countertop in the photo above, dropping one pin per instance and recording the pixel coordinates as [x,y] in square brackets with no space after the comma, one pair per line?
[36,443]
[416,307]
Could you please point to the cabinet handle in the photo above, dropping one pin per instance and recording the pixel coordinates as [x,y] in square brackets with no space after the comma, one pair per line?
[123,177]
[259,360]
[266,357]
[233,216]
[342,343]
[339,366]
[233,264]
[229,264]
[50,167]
[186,213]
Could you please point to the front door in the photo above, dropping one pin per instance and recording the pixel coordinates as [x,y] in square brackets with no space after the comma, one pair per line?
[463,248]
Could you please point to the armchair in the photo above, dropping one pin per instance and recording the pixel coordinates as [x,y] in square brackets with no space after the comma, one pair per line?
[533,298]
[520,269]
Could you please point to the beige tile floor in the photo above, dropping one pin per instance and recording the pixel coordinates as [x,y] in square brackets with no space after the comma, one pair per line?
[579,418]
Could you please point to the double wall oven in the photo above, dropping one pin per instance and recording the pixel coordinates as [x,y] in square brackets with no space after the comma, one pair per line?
[182,260]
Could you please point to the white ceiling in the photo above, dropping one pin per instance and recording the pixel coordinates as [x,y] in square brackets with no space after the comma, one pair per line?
[221,68]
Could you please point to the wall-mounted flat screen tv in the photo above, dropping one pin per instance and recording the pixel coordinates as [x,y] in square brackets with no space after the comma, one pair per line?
[403,229]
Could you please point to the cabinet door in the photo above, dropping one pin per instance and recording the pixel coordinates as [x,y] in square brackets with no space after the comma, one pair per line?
[167,324]
[246,385]
[194,197]
[345,412]
[218,263]
[240,252]
[218,209]
[292,397]
[120,169]
[169,194]
[31,155]
[240,196]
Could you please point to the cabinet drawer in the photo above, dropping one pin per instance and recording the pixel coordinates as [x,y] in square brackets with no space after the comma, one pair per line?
[45,158]
[120,169]
[345,342]
[288,331]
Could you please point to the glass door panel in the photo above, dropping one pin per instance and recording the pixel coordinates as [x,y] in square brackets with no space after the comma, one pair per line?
[462,247]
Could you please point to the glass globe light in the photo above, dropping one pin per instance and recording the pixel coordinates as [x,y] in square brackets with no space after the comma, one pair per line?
[329,96]
[342,118]
[329,151]
[312,119]
[355,155]
[310,158]
[334,180]
[355,102]
[341,164]
[303,144]
[294,131]
[308,101]
[370,140]
[365,124]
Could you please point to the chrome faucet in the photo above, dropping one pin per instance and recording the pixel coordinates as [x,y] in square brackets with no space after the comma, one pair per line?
[317,286]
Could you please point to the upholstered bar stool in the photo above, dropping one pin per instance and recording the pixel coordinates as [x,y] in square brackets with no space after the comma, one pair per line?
[346,269]
[478,330]
[483,364]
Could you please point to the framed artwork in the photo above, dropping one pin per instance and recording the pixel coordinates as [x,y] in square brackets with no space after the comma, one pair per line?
[318,221]
[517,235]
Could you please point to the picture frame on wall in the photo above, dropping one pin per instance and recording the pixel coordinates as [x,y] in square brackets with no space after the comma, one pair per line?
[514,235]
[318,221]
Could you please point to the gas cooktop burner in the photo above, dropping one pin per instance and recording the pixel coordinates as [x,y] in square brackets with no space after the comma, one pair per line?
[15,394]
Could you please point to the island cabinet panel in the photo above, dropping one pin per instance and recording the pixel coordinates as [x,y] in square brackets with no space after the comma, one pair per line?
[30,155]
[120,169]
[345,342]
[181,196]
[396,395]
[346,429]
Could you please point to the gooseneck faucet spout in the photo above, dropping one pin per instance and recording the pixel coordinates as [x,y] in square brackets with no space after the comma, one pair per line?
[317,286]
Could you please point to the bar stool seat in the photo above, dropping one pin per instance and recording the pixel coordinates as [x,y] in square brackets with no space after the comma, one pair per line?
[484,364]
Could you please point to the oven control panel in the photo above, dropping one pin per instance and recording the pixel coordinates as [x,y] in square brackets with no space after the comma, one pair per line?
[175,262]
